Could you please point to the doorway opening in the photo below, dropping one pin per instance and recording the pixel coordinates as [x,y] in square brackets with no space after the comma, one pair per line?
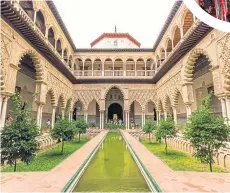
[115,112]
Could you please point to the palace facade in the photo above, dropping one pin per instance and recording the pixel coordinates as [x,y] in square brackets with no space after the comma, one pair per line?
[115,76]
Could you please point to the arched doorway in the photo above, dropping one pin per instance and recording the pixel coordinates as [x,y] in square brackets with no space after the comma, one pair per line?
[135,115]
[25,85]
[115,110]
[203,84]
[93,113]
[78,111]
[114,104]
[150,112]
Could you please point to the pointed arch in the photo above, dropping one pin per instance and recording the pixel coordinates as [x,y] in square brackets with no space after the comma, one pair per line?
[160,105]
[167,102]
[59,46]
[137,101]
[41,21]
[51,36]
[158,61]
[168,46]
[175,98]
[65,55]
[118,65]
[69,104]
[75,101]
[61,99]
[190,64]
[97,65]
[93,99]
[113,86]
[176,35]
[150,64]
[187,21]
[51,93]
[36,61]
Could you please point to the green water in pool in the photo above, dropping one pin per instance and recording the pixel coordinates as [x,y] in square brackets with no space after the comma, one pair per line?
[112,169]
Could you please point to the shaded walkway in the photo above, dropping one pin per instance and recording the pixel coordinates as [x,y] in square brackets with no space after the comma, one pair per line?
[51,181]
[173,181]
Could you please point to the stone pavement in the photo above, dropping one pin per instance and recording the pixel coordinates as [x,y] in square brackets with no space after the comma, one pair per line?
[174,181]
[51,181]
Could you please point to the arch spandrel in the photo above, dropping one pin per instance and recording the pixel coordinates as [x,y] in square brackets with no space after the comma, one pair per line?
[106,90]
[87,96]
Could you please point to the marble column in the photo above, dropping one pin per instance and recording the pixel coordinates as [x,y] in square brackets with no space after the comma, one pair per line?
[188,110]
[70,116]
[1,100]
[3,113]
[86,117]
[174,114]
[159,117]
[38,115]
[144,117]
[35,15]
[62,113]
[224,109]
[228,108]
[100,119]
[40,119]
[165,115]
[128,119]
[103,119]
[53,116]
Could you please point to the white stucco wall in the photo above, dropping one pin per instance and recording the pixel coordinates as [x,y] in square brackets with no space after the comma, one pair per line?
[109,43]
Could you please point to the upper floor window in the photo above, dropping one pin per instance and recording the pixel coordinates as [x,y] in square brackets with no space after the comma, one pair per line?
[28,8]
[115,42]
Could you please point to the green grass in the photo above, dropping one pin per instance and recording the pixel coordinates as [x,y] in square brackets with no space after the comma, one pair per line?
[47,160]
[177,160]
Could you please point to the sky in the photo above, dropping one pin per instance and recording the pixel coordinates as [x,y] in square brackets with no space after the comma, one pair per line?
[86,20]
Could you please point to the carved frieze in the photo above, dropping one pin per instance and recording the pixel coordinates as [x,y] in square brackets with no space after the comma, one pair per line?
[87,96]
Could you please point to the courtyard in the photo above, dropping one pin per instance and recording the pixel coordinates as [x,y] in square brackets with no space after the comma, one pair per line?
[113,116]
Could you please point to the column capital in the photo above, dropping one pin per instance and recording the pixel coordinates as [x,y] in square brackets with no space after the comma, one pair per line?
[173,107]
[188,104]
[227,98]
[40,103]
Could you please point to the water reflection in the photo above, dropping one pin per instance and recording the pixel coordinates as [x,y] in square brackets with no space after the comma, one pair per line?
[112,169]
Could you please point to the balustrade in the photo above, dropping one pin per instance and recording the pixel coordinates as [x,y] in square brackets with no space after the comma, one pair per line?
[97,73]
[115,73]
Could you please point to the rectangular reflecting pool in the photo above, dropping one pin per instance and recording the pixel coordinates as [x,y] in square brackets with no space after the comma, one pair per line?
[112,169]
